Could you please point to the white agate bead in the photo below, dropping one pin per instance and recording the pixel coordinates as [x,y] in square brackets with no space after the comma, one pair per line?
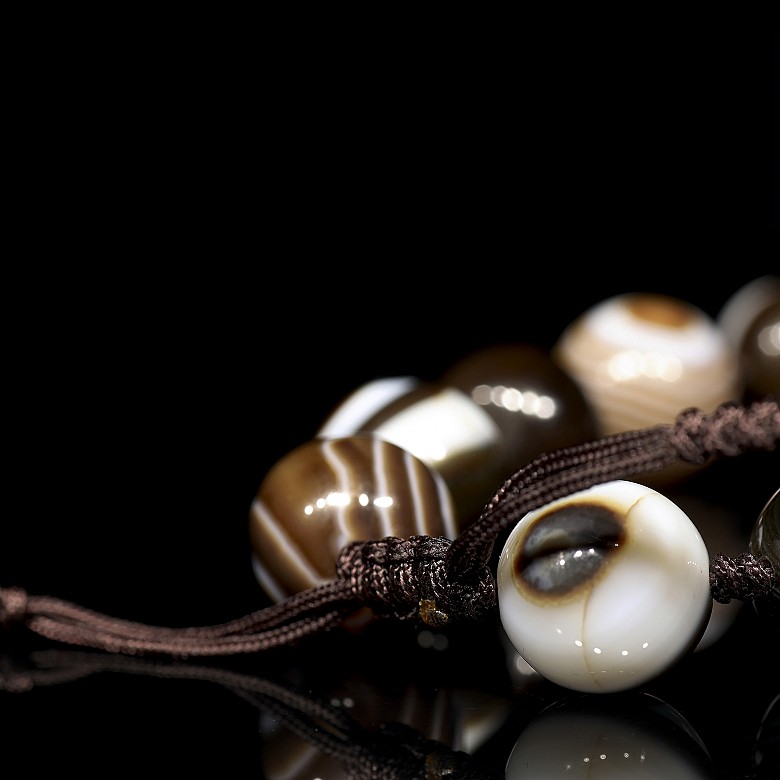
[606,588]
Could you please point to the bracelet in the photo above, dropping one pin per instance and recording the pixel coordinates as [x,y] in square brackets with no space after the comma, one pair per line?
[444,569]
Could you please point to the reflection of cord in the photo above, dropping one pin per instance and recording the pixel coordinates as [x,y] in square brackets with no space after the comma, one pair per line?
[391,752]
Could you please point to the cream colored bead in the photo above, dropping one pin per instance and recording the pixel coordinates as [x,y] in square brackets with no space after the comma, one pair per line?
[606,588]
[643,358]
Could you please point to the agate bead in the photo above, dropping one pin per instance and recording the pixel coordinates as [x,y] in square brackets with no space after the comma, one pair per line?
[765,543]
[760,351]
[720,527]
[606,588]
[643,358]
[440,425]
[751,321]
[537,406]
[328,492]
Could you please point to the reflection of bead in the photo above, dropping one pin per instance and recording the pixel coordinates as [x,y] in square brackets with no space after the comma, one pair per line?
[606,588]
[765,543]
[326,493]
[439,425]
[583,737]
[536,405]
[643,358]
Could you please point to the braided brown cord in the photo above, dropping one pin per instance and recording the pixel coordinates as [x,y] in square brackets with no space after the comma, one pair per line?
[730,430]
[431,578]
[408,578]
[14,606]
[745,577]
[695,437]
[315,610]
[552,476]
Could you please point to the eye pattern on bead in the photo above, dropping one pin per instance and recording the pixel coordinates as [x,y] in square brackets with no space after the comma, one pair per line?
[566,549]
[589,587]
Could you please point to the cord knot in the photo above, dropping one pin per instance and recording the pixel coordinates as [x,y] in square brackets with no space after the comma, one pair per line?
[730,430]
[408,579]
[744,578]
[13,606]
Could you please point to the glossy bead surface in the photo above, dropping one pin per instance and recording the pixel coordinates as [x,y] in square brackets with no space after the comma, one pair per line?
[751,321]
[537,406]
[721,528]
[440,425]
[765,543]
[606,588]
[760,350]
[642,358]
[589,738]
[326,493]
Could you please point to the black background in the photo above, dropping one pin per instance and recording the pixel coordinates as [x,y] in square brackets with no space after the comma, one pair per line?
[209,253]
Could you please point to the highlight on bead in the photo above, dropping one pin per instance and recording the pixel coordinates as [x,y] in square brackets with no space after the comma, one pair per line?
[643,357]
[440,581]
[332,491]
[589,586]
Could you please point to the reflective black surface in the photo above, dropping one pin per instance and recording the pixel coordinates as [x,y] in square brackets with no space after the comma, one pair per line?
[136,452]
[213,331]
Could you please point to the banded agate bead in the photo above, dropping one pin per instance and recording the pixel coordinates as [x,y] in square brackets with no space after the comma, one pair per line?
[604,589]
[642,358]
[765,543]
[328,492]
[489,414]
[438,424]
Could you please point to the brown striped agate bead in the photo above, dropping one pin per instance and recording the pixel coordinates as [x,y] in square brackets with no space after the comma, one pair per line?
[439,424]
[328,492]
